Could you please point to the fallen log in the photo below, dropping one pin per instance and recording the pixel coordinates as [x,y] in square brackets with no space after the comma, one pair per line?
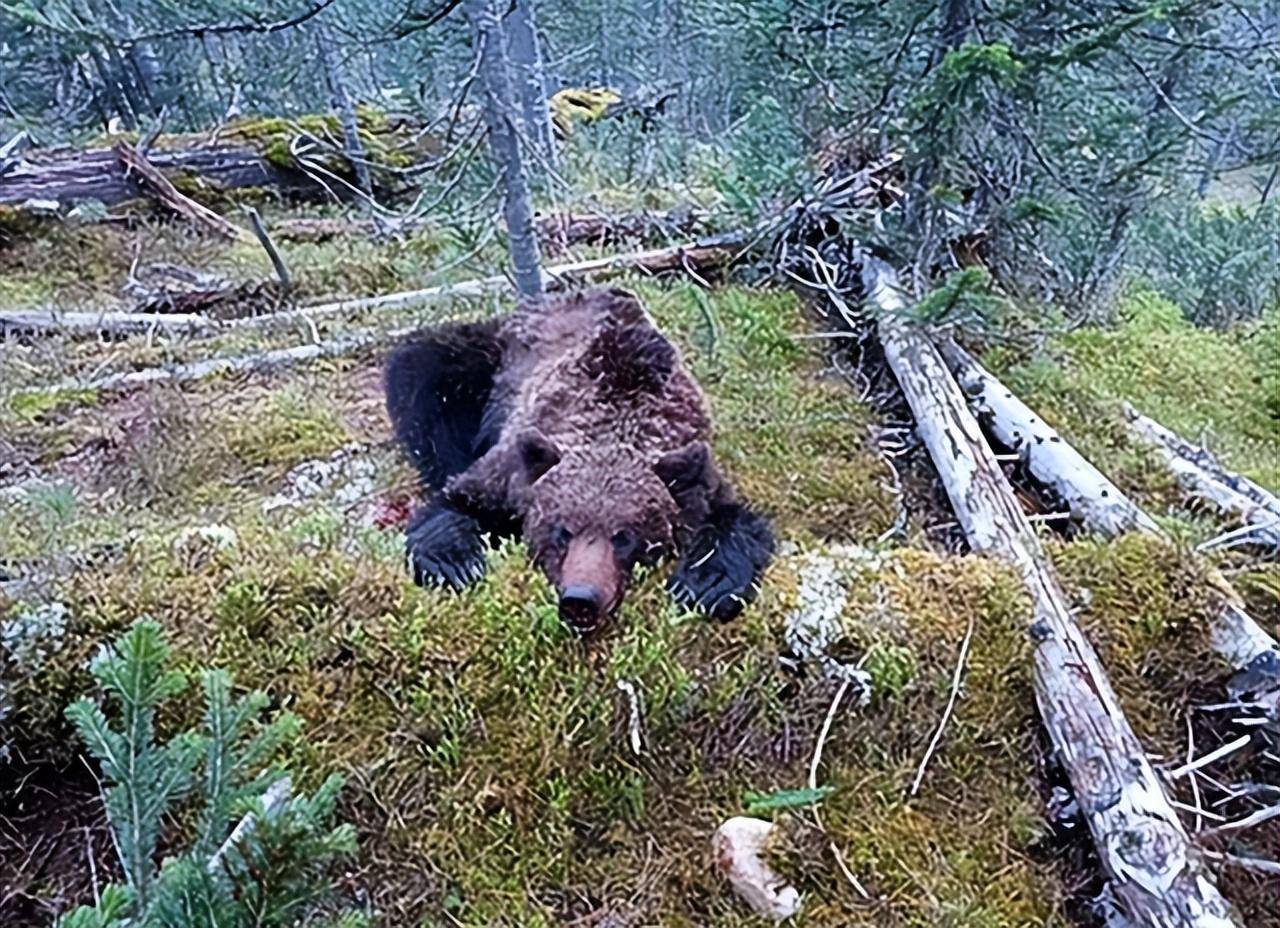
[719,250]
[1154,875]
[167,289]
[1203,459]
[162,189]
[1099,504]
[65,178]
[251,153]
[700,255]
[53,322]
[704,253]
[560,231]
[1201,476]
[256,362]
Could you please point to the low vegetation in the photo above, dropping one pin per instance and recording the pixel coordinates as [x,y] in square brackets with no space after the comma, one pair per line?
[487,753]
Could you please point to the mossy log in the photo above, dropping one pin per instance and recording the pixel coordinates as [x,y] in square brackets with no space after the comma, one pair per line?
[252,153]
[1155,876]
[1091,497]
[68,177]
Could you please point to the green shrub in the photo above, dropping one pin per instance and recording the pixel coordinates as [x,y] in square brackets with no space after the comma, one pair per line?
[268,869]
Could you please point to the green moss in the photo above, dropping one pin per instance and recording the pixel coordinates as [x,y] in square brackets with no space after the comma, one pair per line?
[1147,607]
[489,752]
[34,406]
[789,433]
[287,428]
[1197,382]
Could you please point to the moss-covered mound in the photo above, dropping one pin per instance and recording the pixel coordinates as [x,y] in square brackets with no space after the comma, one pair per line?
[487,751]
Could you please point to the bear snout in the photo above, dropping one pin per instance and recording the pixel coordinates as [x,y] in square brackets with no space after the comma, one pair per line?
[590,583]
[581,607]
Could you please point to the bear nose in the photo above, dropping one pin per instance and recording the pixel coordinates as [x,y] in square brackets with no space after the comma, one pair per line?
[580,607]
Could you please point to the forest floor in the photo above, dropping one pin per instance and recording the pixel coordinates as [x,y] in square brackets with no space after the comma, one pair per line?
[487,753]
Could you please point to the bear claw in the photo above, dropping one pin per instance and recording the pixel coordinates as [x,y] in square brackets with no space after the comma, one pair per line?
[444,548]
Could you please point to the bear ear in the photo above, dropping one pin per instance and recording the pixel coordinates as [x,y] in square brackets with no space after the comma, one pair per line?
[537,454]
[684,468]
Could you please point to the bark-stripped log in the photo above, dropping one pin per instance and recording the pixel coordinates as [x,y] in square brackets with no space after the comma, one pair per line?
[1204,459]
[1086,491]
[47,321]
[1201,476]
[705,253]
[1099,504]
[709,252]
[1155,876]
[257,362]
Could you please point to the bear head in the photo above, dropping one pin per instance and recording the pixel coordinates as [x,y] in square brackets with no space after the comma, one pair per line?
[596,513]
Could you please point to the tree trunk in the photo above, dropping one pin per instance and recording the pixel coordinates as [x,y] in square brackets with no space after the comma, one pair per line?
[1093,499]
[530,78]
[1156,434]
[505,146]
[1155,876]
[96,174]
[340,100]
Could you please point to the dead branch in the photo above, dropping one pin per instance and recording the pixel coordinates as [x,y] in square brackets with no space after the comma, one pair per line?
[164,191]
[54,322]
[1099,504]
[1155,876]
[257,362]
[277,262]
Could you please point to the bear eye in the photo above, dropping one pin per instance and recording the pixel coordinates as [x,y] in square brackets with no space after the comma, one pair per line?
[561,536]
[624,542]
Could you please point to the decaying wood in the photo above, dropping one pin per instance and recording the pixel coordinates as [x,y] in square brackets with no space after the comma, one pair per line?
[256,362]
[167,299]
[273,253]
[48,321]
[162,189]
[1201,476]
[1099,504]
[66,177]
[560,231]
[233,158]
[167,289]
[1085,490]
[1204,459]
[1155,876]
[706,253]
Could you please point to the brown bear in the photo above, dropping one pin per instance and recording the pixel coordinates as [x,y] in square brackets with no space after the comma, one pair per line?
[574,422]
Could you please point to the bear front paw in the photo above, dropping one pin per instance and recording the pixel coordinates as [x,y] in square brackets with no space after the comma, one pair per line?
[720,573]
[445,548]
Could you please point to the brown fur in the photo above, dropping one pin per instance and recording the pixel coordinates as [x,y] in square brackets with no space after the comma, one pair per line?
[595,439]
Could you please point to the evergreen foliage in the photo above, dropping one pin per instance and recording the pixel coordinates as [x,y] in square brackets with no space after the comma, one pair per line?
[268,871]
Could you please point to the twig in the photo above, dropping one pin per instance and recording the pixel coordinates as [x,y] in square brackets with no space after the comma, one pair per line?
[277,262]
[813,785]
[633,702]
[1229,748]
[1257,818]
[1195,783]
[946,715]
[93,864]
[1258,864]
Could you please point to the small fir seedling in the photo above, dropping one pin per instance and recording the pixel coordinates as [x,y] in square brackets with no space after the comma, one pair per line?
[256,856]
